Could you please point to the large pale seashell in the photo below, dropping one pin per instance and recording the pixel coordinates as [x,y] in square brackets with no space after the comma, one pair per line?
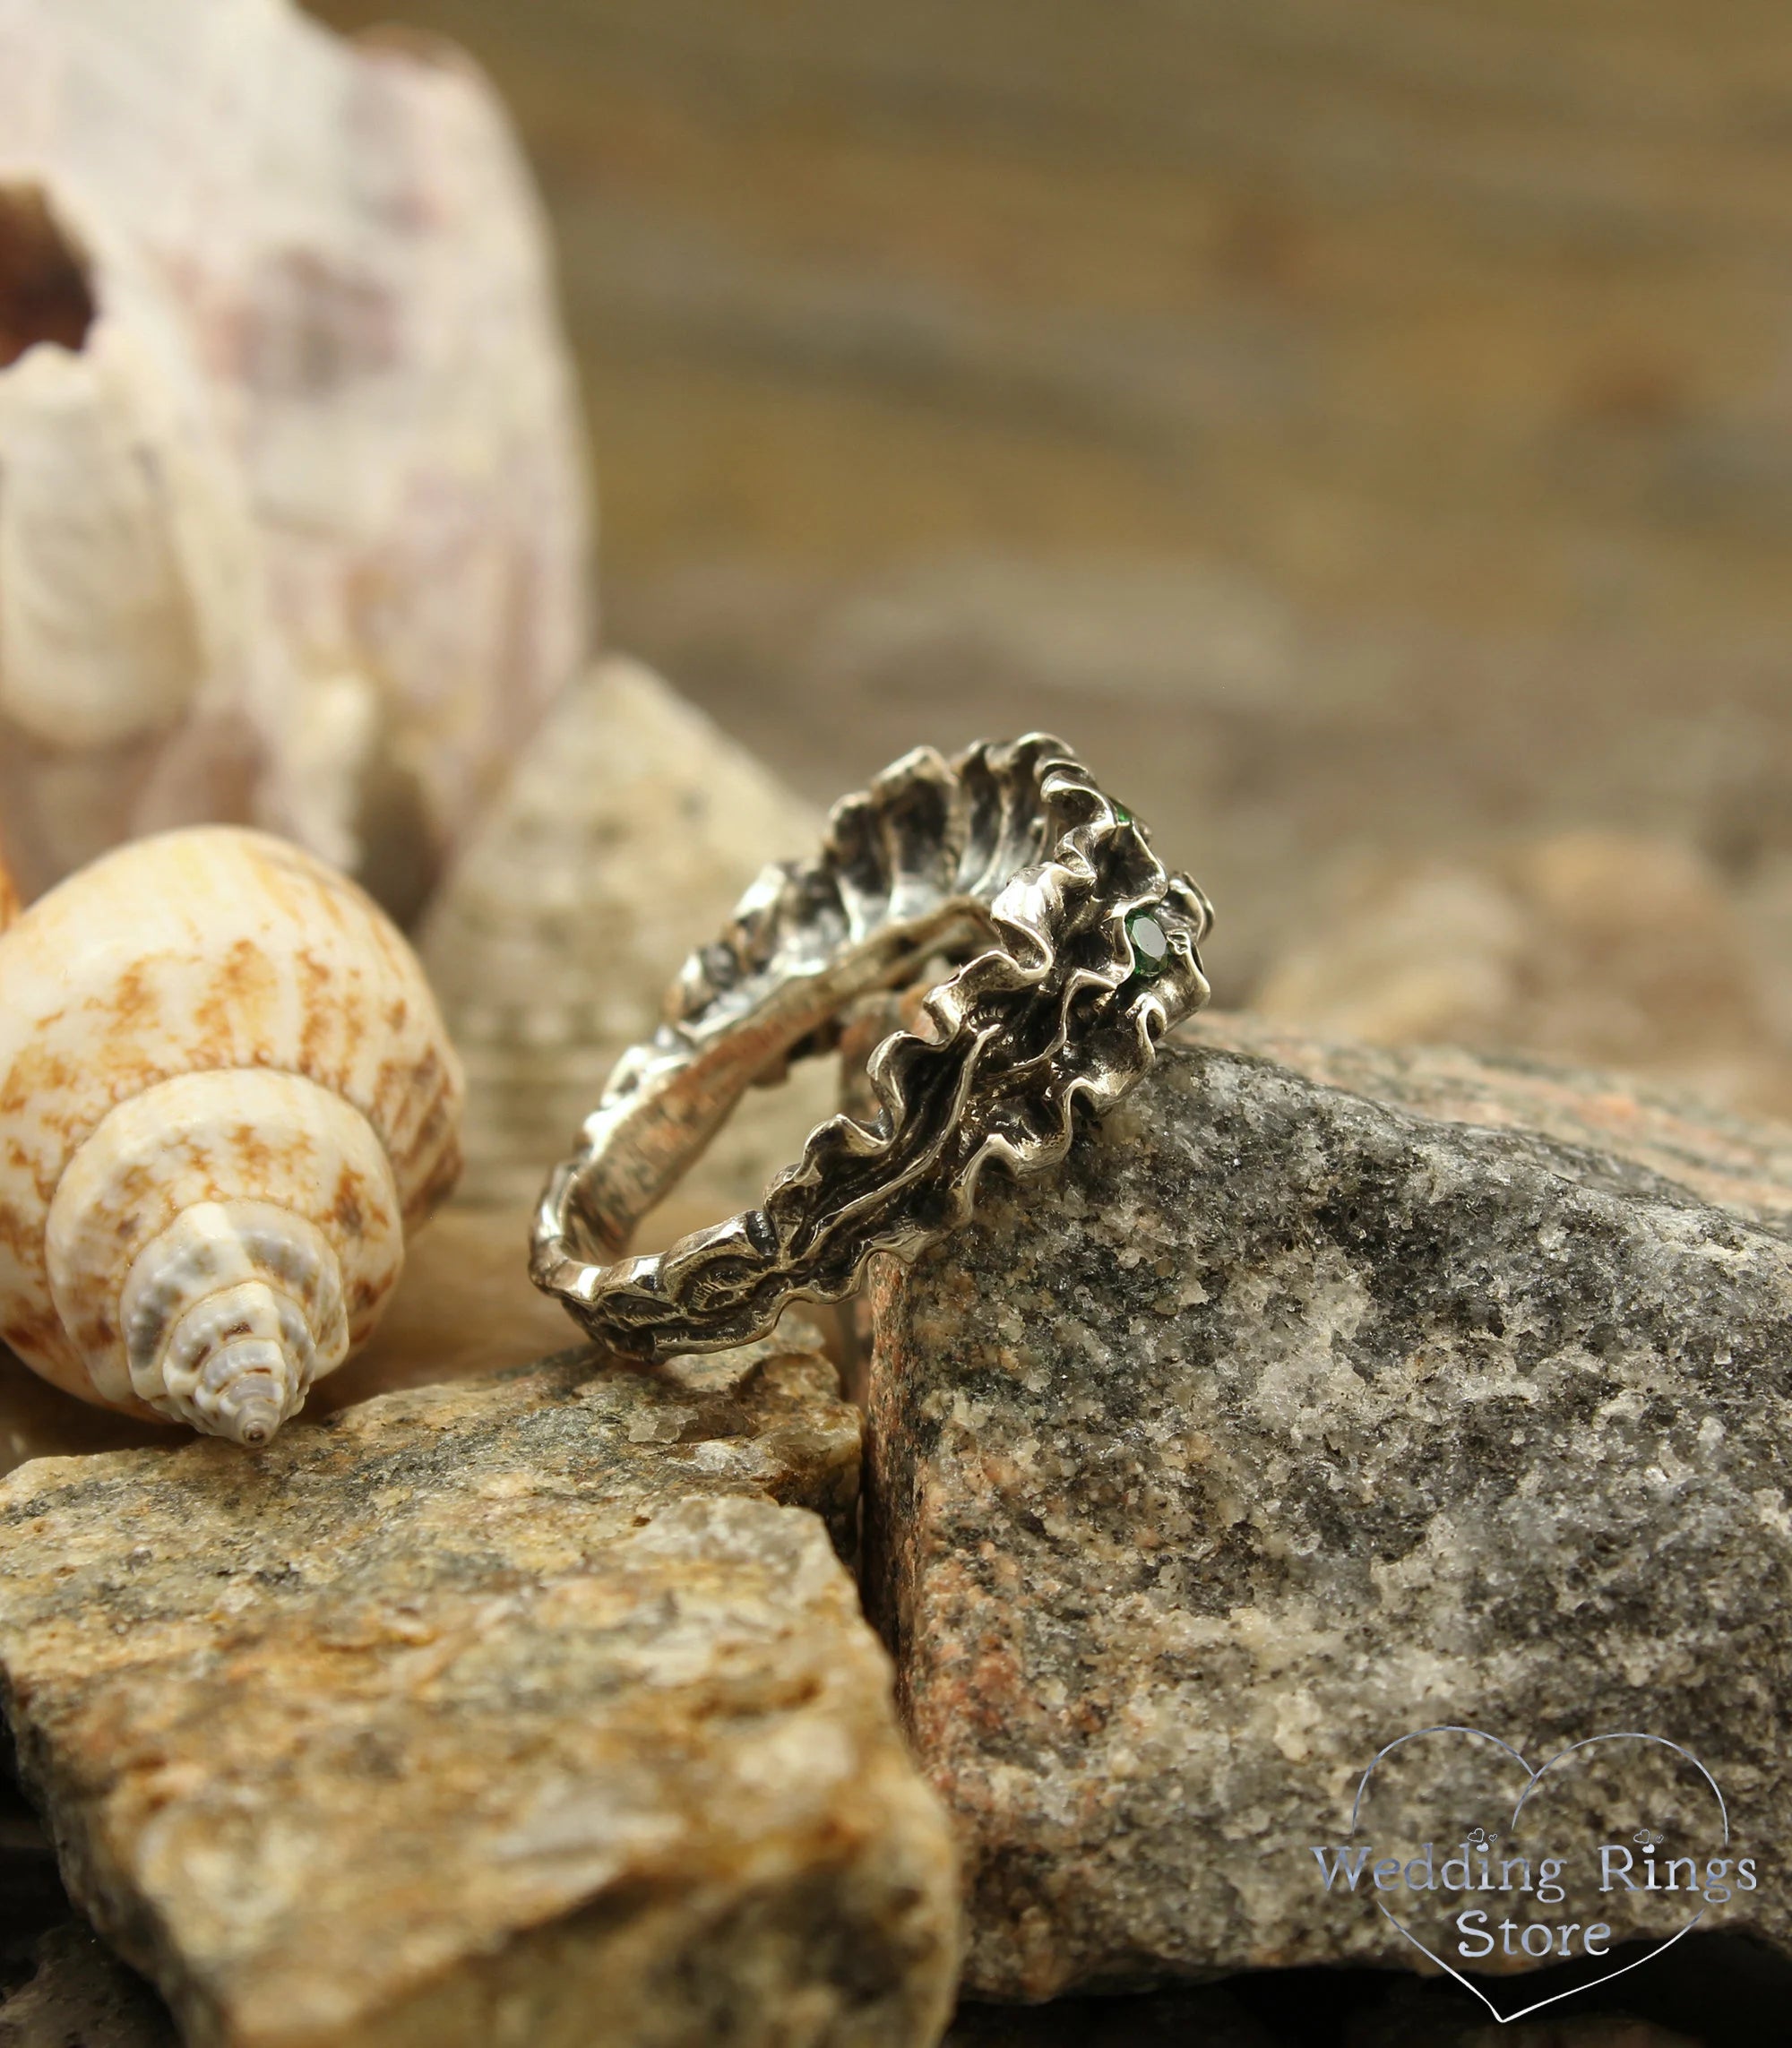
[292,519]
[124,543]
[225,1095]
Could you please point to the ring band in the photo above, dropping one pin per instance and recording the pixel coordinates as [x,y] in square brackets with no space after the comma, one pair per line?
[1078,950]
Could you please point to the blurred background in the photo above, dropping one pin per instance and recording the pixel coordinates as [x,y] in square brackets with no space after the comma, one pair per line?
[1364,430]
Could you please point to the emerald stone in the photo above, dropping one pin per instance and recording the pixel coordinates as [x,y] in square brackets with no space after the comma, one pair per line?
[1122,816]
[1150,943]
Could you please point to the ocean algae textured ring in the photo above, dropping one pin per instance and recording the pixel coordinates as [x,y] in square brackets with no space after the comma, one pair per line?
[1076,950]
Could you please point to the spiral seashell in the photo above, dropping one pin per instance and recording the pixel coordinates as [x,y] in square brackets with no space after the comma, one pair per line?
[226,1093]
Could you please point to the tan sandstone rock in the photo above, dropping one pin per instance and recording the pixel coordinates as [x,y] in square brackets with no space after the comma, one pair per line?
[533,1709]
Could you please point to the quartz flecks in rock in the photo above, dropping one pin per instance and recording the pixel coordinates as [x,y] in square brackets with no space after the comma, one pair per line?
[1286,1421]
[483,1709]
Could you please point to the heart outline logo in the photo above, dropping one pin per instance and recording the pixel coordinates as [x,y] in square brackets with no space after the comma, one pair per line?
[1532,1779]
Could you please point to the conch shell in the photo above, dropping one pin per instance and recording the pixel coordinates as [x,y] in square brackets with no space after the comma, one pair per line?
[293,528]
[226,1093]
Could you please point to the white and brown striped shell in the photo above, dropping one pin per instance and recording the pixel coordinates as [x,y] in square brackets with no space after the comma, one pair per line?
[226,1093]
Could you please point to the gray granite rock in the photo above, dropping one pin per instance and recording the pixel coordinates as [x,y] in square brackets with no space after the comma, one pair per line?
[534,1710]
[1306,1409]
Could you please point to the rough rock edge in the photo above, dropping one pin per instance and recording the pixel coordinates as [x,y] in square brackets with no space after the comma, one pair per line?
[761,1918]
[1492,1102]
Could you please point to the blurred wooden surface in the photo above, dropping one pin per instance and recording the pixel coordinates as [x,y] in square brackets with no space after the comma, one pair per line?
[1481,306]
[1389,405]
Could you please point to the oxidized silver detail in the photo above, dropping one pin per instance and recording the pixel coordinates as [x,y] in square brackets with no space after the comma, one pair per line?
[1009,857]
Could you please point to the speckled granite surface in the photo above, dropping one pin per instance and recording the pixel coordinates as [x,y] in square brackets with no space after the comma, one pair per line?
[483,1713]
[1294,1418]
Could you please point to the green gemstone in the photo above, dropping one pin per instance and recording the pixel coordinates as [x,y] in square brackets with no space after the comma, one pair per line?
[1150,944]
[1122,816]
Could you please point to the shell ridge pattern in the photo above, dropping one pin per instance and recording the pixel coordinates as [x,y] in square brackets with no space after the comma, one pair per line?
[200,1020]
[127,1092]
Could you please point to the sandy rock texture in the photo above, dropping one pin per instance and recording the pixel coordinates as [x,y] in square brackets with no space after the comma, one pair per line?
[1326,1396]
[480,1710]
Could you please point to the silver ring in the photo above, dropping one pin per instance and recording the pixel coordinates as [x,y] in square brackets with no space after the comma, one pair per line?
[1077,951]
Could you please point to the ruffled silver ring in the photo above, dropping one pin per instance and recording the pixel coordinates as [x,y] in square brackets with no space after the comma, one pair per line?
[1077,951]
